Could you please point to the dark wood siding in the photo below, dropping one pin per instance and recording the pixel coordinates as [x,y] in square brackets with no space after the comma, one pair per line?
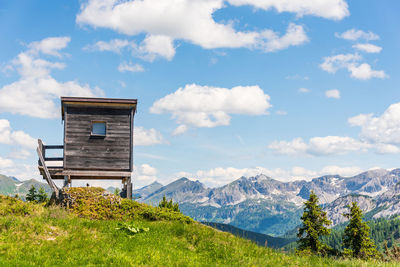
[83,152]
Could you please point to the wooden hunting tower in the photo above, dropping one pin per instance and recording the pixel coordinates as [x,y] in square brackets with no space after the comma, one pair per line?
[98,141]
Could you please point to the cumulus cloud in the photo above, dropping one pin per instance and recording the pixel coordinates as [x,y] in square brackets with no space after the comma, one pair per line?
[334,93]
[144,174]
[191,21]
[49,46]
[354,35]
[147,137]
[369,48]
[154,46]
[365,72]
[37,92]
[319,146]
[10,137]
[334,63]
[351,62]
[380,134]
[206,106]
[129,66]
[151,48]
[329,9]
[384,129]
[146,169]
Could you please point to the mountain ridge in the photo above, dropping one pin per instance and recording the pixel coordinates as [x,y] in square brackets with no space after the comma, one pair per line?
[260,203]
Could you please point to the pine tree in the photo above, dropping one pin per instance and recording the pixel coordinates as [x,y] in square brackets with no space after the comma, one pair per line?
[356,240]
[31,196]
[41,196]
[314,222]
[164,203]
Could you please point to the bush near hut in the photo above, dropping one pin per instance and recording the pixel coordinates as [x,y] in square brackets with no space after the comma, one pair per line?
[97,203]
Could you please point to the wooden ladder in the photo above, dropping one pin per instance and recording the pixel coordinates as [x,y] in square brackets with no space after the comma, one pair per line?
[46,175]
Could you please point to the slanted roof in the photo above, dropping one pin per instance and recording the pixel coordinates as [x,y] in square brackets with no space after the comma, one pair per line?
[97,102]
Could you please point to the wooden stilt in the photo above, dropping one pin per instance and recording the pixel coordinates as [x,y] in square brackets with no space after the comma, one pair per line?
[129,188]
[47,176]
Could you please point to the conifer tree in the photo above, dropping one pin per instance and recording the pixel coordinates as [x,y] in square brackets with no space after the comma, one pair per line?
[164,203]
[41,196]
[314,222]
[356,240]
[31,196]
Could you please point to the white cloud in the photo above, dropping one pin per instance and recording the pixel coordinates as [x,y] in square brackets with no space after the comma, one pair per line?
[364,72]
[206,106]
[319,146]
[125,66]
[296,146]
[351,62]
[354,35]
[147,137]
[271,41]
[144,174]
[151,48]
[304,90]
[146,169]
[154,46]
[191,21]
[384,129]
[50,45]
[115,45]
[343,171]
[4,164]
[180,130]
[334,63]
[37,93]
[22,172]
[369,48]
[10,137]
[329,9]
[334,93]
[378,133]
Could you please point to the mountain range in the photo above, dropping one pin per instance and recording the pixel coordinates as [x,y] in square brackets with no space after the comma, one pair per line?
[11,186]
[262,204]
[265,205]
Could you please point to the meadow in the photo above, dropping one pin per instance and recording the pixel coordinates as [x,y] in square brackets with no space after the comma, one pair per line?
[33,234]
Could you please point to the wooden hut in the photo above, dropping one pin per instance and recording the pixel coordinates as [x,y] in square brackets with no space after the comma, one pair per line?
[98,142]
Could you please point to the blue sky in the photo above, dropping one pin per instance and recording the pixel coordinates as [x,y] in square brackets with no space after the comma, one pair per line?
[292,89]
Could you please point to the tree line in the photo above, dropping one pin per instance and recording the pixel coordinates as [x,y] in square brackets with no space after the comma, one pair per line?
[38,196]
[356,240]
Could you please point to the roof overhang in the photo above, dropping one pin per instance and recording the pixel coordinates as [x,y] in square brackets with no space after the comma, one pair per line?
[97,102]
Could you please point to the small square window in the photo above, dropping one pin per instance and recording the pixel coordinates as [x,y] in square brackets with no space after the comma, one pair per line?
[98,128]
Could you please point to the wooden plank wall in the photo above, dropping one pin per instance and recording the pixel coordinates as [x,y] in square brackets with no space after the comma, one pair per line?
[83,152]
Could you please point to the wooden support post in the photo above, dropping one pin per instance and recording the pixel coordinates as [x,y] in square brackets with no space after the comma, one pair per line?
[47,175]
[129,188]
[124,188]
[65,180]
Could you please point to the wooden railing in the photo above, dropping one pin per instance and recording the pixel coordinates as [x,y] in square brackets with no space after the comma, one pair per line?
[43,149]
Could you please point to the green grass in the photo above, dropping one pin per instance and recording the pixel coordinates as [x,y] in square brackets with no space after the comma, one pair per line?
[35,235]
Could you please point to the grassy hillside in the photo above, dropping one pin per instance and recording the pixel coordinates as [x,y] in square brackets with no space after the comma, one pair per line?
[35,235]
[260,239]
